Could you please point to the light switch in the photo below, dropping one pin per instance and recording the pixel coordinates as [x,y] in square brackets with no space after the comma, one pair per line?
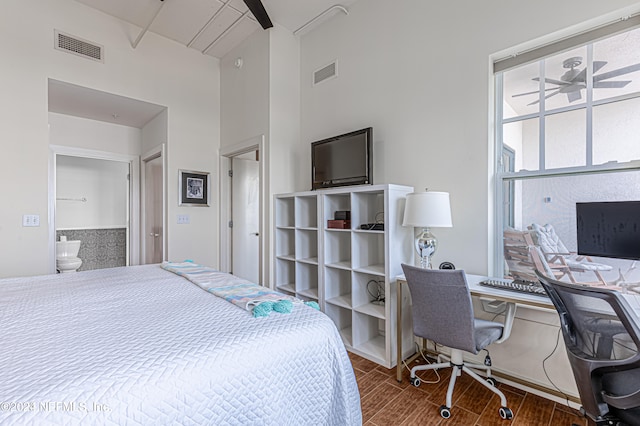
[31,220]
[183,219]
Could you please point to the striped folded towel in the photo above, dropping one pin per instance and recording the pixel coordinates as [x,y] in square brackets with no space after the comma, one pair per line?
[258,300]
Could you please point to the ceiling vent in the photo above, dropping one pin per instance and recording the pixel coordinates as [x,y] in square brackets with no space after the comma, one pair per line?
[78,46]
[325,73]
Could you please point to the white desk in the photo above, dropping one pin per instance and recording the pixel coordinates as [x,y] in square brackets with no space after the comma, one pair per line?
[512,298]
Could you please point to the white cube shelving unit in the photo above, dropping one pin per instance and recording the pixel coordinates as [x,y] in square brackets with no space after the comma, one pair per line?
[341,268]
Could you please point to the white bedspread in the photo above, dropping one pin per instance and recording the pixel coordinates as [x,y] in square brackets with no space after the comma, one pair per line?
[140,345]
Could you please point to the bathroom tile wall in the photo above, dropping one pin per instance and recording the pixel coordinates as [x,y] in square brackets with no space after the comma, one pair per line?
[100,248]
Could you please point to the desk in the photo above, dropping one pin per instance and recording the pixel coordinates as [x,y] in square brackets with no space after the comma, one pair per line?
[512,298]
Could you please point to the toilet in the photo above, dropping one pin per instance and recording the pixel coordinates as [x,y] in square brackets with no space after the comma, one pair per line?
[67,259]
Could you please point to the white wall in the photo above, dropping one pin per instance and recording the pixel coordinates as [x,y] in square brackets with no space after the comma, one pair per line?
[263,98]
[157,71]
[154,133]
[104,186]
[77,132]
[420,74]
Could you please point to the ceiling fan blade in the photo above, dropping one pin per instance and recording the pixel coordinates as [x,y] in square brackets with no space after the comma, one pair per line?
[552,81]
[615,73]
[597,65]
[546,97]
[582,75]
[574,96]
[611,84]
[257,8]
[531,93]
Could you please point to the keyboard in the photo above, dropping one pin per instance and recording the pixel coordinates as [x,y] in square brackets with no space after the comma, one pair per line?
[520,286]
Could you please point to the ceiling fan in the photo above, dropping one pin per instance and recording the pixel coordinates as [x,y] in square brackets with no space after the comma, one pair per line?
[257,8]
[574,80]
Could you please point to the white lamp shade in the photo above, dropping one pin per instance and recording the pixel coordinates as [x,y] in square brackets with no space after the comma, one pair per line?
[428,210]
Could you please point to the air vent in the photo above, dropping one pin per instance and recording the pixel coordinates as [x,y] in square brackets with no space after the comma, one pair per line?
[325,73]
[78,46]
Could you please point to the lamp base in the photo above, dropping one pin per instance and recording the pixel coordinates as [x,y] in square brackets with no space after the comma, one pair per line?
[426,244]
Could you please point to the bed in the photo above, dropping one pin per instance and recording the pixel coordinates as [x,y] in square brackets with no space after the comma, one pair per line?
[141,345]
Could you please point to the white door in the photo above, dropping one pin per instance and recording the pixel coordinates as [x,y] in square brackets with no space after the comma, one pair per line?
[153,232]
[245,209]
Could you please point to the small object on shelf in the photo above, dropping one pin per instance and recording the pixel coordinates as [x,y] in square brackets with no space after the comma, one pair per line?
[342,215]
[372,226]
[339,224]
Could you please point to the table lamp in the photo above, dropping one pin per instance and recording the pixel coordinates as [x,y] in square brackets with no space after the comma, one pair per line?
[427,210]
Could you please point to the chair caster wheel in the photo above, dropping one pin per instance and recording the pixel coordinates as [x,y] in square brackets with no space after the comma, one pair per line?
[415,381]
[505,413]
[445,412]
[492,381]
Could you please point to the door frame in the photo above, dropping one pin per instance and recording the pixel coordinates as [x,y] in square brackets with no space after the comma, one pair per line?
[134,196]
[159,151]
[226,153]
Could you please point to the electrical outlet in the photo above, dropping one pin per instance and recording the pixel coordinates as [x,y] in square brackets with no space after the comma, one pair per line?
[31,220]
[183,219]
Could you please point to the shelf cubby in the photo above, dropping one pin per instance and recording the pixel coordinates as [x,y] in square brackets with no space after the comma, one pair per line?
[368,254]
[333,203]
[306,244]
[337,249]
[367,207]
[285,212]
[307,280]
[285,243]
[342,318]
[365,287]
[337,287]
[369,335]
[306,212]
[285,275]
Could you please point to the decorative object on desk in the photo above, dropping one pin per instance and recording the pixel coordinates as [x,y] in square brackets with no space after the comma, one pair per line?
[193,189]
[427,210]
[376,291]
[447,265]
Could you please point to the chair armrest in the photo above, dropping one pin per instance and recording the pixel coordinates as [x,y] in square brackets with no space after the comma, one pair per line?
[623,402]
[509,316]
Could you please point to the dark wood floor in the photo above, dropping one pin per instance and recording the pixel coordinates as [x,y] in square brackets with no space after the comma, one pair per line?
[386,402]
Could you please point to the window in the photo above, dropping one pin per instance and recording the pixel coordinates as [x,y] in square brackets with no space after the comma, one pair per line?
[568,131]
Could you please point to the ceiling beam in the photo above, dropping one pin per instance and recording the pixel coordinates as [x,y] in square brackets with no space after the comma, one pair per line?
[225,32]
[144,31]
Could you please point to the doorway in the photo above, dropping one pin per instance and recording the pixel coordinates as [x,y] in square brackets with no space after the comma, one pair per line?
[245,213]
[94,200]
[244,210]
[153,217]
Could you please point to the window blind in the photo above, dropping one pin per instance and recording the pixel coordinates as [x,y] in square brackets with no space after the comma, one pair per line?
[576,40]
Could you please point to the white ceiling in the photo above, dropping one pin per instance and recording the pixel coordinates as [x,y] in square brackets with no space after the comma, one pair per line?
[213,27]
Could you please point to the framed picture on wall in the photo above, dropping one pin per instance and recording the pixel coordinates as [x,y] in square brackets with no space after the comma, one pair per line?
[193,189]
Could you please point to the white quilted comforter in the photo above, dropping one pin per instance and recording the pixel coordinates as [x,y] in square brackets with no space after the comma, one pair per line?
[140,345]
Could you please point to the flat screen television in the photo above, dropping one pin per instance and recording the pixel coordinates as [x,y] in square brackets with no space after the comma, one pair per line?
[609,229]
[342,160]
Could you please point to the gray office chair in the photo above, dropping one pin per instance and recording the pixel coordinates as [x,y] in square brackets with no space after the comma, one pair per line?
[602,336]
[443,312]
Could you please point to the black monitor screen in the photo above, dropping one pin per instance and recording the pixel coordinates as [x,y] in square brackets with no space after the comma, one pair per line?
[609,229]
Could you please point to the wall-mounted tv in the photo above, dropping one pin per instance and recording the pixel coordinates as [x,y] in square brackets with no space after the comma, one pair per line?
[342,160]
[609,229]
